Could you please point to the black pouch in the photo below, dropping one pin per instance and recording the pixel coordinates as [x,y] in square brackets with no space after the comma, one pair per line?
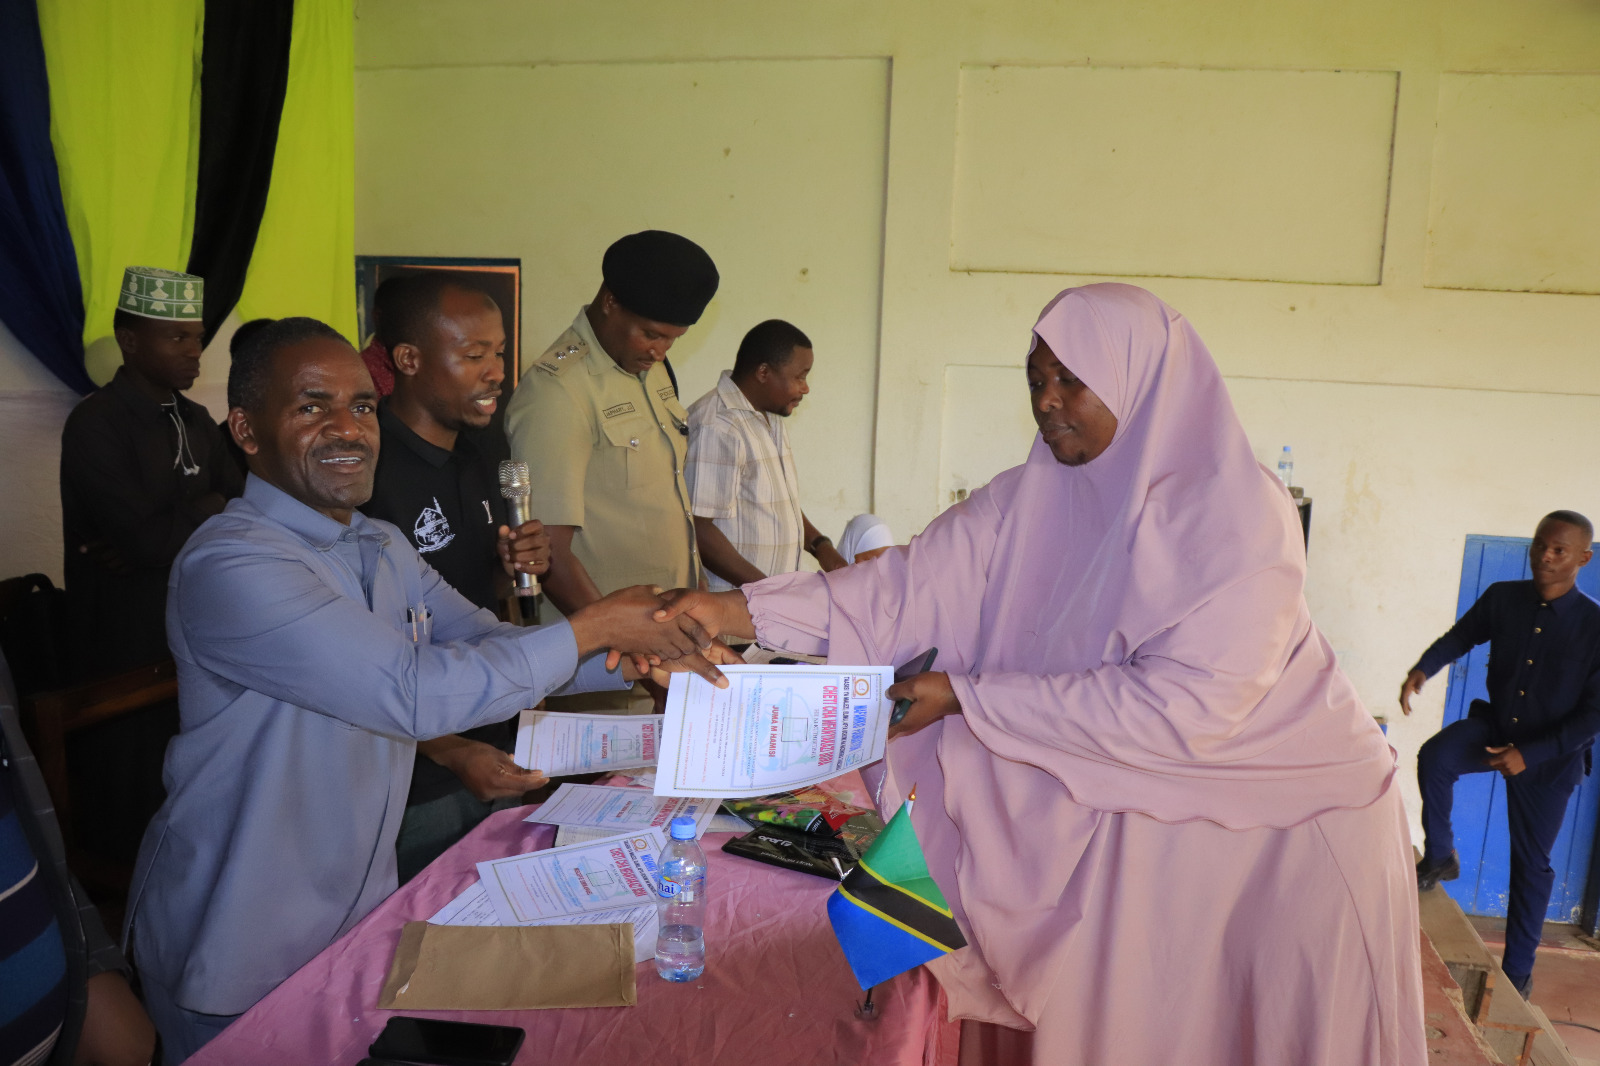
[795,850]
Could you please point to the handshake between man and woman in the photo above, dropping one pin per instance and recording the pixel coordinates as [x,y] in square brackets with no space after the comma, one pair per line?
[655,634]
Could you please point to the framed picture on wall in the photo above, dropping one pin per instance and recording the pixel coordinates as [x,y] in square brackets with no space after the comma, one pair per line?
[500,278]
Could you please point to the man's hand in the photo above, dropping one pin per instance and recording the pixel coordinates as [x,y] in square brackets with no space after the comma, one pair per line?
[568,585]
[719,556]
[106,556]
[525,550]
[1412,686]
[116,1029]
[488,772]
[626,622]
[931,699]
[721,614]
[635,667]
[828,557]
[718,654]
[1508,760]
[820,547]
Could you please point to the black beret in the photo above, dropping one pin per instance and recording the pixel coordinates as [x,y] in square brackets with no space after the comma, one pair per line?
[660,276]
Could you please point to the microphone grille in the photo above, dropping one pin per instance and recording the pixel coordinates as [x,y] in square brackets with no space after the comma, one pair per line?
[514,479]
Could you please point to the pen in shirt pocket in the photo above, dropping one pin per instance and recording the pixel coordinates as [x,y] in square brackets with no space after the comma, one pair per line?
[419,620]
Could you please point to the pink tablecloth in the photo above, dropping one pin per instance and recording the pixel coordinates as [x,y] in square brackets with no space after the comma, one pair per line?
[776,991]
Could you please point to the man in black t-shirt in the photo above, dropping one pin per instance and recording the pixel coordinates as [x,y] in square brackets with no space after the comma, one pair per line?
[438,480]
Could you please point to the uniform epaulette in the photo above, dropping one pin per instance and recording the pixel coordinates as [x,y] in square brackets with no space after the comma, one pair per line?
[568,351]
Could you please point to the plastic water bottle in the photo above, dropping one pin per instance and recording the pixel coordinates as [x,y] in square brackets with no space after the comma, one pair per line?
[681,908]
[1286,467]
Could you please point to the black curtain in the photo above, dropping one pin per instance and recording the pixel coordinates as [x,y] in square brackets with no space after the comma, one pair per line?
[41,296]
[244,73]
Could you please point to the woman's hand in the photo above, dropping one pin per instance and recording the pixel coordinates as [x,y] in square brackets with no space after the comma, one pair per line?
[719,654]
[628,623]
[931,699]
[721,614]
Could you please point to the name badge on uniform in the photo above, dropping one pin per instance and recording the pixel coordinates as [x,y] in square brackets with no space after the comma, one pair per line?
[617,410]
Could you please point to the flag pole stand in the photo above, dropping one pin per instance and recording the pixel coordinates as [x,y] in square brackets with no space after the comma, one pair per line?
[867,1010]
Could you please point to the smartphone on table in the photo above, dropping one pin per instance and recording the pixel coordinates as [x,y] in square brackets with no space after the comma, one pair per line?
[442,1043]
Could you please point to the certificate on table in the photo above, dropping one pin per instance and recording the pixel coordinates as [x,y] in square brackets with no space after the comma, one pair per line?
[773,728]
[472,907]
[618,810]
[563,744]
[619,871]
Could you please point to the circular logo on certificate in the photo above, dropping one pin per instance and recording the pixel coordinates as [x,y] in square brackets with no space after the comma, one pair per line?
[863,686]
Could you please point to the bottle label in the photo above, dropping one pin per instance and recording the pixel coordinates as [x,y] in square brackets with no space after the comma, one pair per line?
[684,888]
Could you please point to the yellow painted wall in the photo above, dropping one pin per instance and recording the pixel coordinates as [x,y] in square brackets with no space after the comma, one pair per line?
[1422,238]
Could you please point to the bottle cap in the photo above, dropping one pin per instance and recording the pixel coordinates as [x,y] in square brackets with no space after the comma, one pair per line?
[683,828]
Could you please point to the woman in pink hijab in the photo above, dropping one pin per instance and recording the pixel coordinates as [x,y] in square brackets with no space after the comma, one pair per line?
[1167,826]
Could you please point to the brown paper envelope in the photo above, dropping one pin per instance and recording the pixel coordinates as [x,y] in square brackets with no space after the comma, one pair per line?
[450,967]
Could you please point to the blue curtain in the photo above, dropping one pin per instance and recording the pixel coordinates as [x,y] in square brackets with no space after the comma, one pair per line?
[41,298]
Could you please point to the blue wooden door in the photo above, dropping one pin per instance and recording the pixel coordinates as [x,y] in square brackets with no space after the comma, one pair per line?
[1480,809]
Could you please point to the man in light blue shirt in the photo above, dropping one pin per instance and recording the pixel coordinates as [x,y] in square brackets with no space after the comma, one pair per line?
[314,648]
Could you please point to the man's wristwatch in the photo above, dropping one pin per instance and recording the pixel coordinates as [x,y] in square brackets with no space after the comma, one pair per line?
[820,538]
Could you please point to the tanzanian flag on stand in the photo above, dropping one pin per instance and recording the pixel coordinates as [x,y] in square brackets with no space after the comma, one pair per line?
[888,913]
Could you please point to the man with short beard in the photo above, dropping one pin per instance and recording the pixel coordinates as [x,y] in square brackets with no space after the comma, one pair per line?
[314,648]
[438,481]
[741,474]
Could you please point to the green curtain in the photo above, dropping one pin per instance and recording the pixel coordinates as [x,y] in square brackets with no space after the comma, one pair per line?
[125,122]
[304,261]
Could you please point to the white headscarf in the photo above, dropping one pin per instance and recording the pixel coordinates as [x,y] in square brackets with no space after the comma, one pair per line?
[864,533]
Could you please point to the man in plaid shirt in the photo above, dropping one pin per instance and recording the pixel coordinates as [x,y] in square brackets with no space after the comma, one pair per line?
[740,471]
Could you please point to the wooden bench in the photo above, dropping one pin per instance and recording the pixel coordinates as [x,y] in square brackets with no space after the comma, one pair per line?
[49,718]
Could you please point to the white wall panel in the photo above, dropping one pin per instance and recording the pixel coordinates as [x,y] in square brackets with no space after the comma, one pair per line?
[1516,184]
[1271,175]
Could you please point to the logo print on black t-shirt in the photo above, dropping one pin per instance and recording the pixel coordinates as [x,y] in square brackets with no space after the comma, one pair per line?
[432,530]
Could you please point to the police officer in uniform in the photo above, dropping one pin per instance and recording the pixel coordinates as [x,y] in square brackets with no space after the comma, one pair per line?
[599,423]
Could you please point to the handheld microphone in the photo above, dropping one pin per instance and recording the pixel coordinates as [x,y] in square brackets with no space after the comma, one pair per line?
[516,490]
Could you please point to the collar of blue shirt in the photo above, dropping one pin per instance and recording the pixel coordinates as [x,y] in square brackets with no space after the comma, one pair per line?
[311,525]
[1562,603]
